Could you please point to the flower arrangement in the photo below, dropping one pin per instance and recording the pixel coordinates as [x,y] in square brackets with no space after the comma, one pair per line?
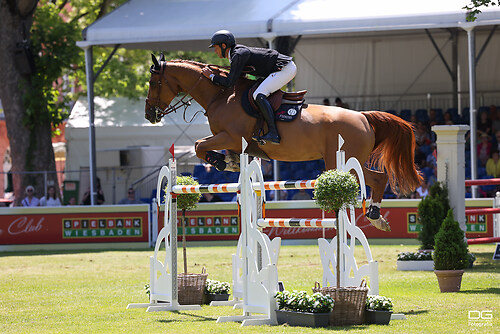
[147,288]
[300,301]
[216,287]
[415,256]
[378,303]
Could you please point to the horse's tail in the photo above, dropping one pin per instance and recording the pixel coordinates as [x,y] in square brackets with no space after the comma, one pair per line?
[394,151]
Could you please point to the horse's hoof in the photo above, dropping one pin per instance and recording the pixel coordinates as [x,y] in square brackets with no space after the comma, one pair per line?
[380,223]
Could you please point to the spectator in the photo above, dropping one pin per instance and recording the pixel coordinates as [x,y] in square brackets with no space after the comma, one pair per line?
[51,199]
[301,195]
[210,197]
[484,123]
[484,148]
[130,199]
[339,103]
[326,101]
[433,119]
[448,118]
[72,201]
[30,199]
[496,141]
[423,190]
[282,195]
[267,169]
[493,164]
[100,195]
[495,126]
[422,134]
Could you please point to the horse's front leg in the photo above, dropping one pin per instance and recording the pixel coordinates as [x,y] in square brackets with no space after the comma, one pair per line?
[205,149]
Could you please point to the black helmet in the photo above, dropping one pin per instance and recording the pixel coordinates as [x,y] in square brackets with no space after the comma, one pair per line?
[223,36]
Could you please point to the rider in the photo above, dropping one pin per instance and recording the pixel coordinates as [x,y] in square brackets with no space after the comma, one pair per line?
[276,68]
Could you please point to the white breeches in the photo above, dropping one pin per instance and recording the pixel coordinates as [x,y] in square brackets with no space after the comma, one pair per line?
[276,80]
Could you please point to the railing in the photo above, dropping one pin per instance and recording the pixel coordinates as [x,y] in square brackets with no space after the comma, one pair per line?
[412,101]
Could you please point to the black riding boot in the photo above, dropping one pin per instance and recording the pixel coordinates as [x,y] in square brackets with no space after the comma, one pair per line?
[268,113]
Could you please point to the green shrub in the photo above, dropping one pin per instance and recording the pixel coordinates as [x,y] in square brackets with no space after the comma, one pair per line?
[451,250]
[431,213]
[187,201]
[335,190]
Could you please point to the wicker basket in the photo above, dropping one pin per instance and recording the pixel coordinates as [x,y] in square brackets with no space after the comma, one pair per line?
[349,304]
[191,288]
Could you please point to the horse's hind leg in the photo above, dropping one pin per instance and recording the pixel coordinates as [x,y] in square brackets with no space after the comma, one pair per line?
[377,181]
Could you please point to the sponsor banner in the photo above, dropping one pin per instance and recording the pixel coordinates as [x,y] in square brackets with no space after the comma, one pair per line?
[401,214]
[20,226]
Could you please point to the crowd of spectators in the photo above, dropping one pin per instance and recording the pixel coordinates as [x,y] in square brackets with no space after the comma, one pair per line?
[487,150]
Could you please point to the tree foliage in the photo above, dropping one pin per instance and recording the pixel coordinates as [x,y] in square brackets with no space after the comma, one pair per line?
[473,8]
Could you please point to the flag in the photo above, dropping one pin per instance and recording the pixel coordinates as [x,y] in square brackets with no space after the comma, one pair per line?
[171,150]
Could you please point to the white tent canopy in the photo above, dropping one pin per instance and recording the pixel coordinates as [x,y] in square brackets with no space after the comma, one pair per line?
[189,24]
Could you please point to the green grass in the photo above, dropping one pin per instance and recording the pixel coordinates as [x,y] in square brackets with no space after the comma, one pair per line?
[87,292]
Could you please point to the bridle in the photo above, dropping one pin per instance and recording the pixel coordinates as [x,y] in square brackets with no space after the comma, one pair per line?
[155,105]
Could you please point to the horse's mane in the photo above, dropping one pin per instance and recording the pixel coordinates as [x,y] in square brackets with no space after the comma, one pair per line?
[201,65]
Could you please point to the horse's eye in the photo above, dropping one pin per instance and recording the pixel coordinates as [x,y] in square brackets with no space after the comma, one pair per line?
[152,83]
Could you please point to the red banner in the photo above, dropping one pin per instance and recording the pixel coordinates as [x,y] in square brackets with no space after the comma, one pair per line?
[73,225]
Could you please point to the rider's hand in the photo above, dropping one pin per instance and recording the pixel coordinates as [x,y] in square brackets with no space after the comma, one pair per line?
[206,72]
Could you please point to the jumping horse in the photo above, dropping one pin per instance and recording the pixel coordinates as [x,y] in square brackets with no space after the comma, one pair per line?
[382,142]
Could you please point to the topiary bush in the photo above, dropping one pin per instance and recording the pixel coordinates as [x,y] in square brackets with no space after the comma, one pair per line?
[335,190]
[451,250]
[185,202]
[431,213]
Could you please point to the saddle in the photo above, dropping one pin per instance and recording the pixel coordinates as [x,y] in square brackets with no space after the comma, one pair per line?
[286,105]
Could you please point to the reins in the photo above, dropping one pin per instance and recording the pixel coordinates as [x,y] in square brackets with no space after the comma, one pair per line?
[185,100]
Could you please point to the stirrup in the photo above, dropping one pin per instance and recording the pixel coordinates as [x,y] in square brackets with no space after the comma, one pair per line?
[374,217]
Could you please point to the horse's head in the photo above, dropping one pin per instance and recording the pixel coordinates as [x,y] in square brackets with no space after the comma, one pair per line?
[160,92]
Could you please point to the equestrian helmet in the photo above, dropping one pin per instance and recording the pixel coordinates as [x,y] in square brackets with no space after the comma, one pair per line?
[223,36]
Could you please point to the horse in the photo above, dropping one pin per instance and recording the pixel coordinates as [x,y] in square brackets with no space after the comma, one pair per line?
[383,143]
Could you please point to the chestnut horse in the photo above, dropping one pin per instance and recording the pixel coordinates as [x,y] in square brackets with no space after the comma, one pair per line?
[383,140]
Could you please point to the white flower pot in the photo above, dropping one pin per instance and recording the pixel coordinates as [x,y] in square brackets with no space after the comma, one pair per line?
[416,265]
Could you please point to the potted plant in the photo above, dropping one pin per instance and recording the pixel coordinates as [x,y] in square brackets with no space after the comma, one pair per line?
[378,310]
[336,190]
[216,291]
[191,287]
[297,308]
[450,255]
[431,213]
[415,261]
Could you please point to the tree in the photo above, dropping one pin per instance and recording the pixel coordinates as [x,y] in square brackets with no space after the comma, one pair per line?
[473,8]
[44,74]
[38,50]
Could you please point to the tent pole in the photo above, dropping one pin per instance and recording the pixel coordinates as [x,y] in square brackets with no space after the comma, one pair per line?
[90,98]
[471,41]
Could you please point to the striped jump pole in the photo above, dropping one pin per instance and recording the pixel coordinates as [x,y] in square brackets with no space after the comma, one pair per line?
[297,222]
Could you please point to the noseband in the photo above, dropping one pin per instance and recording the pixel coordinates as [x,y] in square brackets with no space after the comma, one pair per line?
[154,105]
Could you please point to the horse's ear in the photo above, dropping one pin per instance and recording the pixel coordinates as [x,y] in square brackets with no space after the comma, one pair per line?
[155,62]
[162,57]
